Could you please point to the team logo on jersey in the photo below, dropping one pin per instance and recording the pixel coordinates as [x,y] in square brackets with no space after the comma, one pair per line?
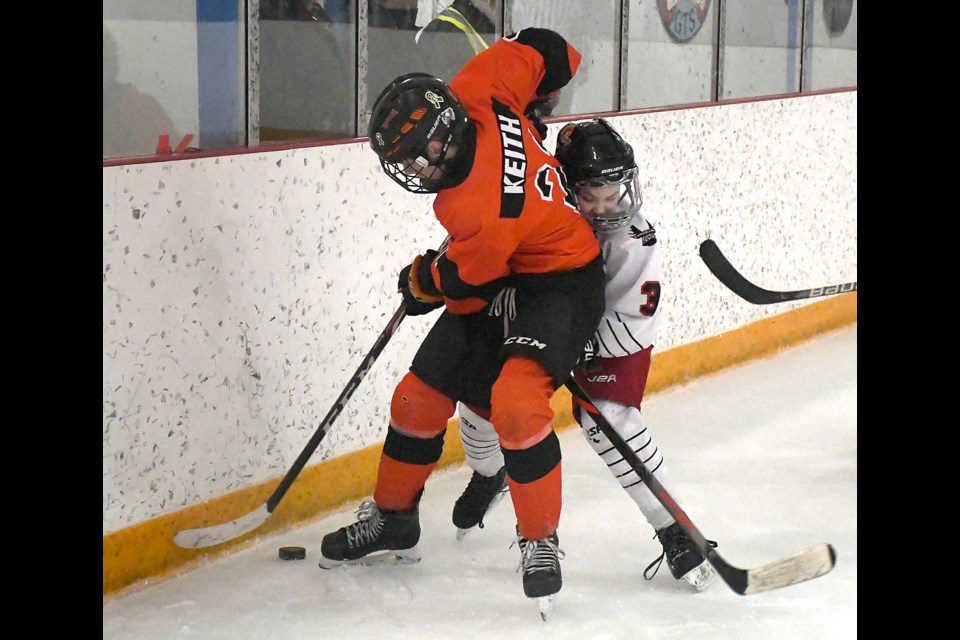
[649,236]
[683,18]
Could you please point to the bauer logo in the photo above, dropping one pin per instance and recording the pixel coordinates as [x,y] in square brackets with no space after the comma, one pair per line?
[602,378]
[649,236]
[832,290]
[683,18]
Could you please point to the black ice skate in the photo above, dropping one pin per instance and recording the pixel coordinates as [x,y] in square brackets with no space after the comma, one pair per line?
[480,496]
[683,558]
[540,561]
[377,536]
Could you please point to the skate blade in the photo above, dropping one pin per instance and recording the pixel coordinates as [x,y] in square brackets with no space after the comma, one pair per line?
[701,577]
[545,604]
[404,556]
[462,533]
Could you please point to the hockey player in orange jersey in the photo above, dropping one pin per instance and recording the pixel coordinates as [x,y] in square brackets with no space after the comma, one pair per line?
[520,281]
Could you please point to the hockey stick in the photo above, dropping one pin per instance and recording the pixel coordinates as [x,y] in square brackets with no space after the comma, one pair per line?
[806,565]
[729,276]
[220,533]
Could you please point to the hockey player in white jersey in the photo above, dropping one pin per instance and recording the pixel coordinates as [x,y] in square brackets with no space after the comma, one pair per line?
[604,186]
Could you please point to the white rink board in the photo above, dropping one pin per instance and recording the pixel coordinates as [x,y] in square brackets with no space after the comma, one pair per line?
[240,293]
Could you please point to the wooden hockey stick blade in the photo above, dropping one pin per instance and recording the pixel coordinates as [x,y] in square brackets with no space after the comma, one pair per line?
[799,567]
[802,566]
[727,274]
[218,534]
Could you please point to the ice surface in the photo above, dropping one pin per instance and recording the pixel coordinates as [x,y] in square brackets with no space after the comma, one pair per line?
[764,459]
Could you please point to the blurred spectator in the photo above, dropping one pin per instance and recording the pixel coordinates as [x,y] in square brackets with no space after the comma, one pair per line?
[311,10]
[393,14]
[455,35]
[306,84]
[133,121]
[341,10]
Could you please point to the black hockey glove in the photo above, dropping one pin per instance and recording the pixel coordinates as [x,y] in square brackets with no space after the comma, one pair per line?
[537,123]
[536,120]
[420,295]
[539,109]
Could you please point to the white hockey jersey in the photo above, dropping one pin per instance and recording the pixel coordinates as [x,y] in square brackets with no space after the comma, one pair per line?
[634,268]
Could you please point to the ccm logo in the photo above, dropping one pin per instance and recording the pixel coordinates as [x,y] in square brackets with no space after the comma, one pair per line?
[522,340]
[611,377]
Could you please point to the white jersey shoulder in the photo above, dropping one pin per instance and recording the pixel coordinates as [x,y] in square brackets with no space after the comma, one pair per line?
[634,268]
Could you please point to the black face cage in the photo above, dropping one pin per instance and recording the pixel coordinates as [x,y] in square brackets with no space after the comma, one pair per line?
[417,182]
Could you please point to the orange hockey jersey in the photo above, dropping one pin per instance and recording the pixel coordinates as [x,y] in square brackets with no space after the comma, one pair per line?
[510,215]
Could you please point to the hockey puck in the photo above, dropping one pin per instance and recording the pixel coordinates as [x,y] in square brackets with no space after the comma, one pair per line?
[292,553]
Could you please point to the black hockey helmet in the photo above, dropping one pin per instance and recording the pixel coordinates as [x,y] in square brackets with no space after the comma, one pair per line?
[421,134]
[594,155]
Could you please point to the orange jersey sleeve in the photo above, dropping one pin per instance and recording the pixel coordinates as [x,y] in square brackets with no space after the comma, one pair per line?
[512,213]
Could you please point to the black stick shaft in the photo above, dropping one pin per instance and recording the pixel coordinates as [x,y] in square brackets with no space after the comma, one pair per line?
[806,565]
[341,401]
[337,407]
[736,580]
[727,274]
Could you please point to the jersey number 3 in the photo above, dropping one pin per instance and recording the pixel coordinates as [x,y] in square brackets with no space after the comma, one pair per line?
[651,289]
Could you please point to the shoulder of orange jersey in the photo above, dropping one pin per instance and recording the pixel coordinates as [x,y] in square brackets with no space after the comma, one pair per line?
[503,71]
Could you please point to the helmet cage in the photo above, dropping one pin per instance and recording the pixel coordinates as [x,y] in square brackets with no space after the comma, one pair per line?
[593,154]
[627,205]
[412,174]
